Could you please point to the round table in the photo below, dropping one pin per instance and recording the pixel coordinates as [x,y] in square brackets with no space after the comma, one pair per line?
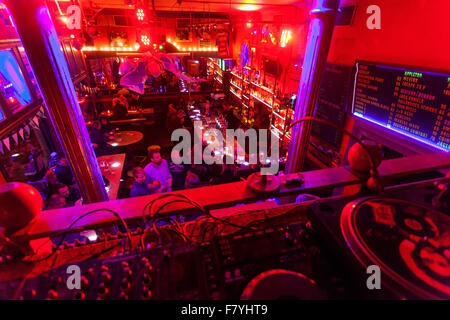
[125,138]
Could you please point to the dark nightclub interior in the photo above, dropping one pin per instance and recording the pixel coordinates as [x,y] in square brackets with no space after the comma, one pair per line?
[224,150]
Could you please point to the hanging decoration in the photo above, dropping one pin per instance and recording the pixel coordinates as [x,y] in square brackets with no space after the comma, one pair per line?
[135,79]
[151,64]
[15,138]
[6,143]
[36,121]
[23,132]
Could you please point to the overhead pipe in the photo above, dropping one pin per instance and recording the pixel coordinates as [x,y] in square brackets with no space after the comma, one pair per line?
[323,16]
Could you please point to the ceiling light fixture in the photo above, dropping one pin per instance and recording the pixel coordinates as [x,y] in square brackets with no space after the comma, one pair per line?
[248,7]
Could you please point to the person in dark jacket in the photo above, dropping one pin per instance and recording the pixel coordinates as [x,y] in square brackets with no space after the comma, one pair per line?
[106,127]
[178,171]
[63,172]
[120,110]
[98,139]
[140,185]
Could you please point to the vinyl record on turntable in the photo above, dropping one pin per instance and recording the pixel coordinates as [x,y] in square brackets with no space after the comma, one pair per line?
[408,241]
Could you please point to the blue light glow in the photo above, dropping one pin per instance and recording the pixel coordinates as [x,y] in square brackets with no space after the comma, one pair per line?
[400,132]
[12,81]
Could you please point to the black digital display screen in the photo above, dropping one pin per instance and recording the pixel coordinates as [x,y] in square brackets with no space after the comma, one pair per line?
[331,103]
[411,102]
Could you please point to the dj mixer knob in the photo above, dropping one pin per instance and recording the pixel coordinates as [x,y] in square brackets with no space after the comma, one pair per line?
[106,278]
[104,268]
[147,280]
[79,295]
[148,267]
[126,284]
[52,295]
[123,296]
[28,294]
[146,294]
[127,272]
[102,291]
[84,283]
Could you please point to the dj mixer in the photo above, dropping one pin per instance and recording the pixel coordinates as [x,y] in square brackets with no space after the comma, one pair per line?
[327,249]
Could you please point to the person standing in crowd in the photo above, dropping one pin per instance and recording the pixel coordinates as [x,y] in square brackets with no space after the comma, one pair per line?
[63,172]
[157,171]
[172,120]
[16,169]
[51,183]
[228,115]
[98,139]
[140,186]
[71,194]
[36,167]
[192,180]
[135,101]
[123,91]
[124,101]
[178,171]
[53,161]
[120,109]
[227,174]
[106,127]
[56,201]
[185,120]
[173,83]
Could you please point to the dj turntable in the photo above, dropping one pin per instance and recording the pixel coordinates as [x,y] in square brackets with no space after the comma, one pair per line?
[408,241]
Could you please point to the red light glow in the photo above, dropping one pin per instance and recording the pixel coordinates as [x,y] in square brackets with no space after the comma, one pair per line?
[140,14]
[145,40]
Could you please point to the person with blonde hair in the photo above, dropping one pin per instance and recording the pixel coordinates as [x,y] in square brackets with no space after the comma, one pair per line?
[140,186]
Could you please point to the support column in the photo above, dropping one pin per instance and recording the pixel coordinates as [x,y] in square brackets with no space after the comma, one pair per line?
[38,35]
[323,16]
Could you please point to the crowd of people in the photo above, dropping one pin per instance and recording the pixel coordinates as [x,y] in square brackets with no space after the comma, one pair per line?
[58,187]
[161,175]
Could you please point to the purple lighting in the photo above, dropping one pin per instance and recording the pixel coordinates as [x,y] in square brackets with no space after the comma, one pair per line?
[12,80]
